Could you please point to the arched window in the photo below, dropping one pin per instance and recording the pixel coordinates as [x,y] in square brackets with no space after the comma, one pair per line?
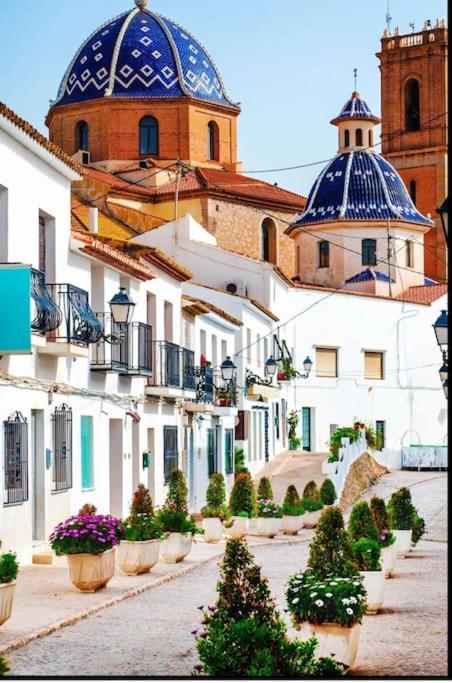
[212,141]
[371,138]
[268,241]
[412,190]
[369,252]
[412,105]
[347,138]
[359,137]
[82,136]
[149,135]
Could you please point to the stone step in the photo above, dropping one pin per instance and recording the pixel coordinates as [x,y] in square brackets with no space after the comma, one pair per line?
[42,553]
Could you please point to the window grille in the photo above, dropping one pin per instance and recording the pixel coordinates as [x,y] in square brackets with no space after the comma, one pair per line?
[16,459]
[62,448]
[229,450]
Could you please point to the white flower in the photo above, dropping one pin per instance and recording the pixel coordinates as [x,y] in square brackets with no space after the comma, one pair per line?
[345,601]
[329,595]
[313,595]
[349,611]
[319,603]
[361,597]
[353,600]
[295,600]
[356,583]
[333,583]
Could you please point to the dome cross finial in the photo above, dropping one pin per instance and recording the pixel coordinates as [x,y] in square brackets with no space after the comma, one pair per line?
[141,4]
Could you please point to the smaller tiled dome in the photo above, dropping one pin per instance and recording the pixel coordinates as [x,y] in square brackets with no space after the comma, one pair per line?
[355,108]
[367,275]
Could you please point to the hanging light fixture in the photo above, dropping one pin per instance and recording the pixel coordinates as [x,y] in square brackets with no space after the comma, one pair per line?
[440,328]
[445,389]
[227,369]
[122,307]
[443,373]
[270,367]
[307,365]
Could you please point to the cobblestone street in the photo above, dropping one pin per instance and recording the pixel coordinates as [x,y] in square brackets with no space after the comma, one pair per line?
[150,634]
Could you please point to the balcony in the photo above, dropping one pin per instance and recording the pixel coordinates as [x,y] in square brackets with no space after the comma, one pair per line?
[174,370]
[131,355]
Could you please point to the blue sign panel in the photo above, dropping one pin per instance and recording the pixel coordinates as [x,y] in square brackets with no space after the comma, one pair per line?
[15,303]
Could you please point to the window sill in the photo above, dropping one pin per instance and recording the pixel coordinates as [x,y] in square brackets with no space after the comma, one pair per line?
[57,491]
[92,488]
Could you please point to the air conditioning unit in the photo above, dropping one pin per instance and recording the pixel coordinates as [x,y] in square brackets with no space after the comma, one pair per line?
[237,288]
[82,157]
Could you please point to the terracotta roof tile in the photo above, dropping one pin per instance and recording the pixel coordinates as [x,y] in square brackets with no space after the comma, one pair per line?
[214,309]
[255,303]
[424,294]
[108,225]
[407,296]
[35,135]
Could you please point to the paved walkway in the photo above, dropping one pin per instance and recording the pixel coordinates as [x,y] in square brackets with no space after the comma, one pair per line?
[150,634]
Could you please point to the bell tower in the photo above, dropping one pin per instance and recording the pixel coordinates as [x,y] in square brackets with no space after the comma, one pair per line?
[414,124]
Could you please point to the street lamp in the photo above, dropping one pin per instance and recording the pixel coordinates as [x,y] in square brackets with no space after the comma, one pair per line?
[122,307]
[227,369]
[440,328]
[307,365]
[270,367]
[445,388]
[443,372]
[443,211]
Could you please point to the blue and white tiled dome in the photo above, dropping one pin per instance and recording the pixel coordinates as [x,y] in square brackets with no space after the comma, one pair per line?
[142,54]
[356,108]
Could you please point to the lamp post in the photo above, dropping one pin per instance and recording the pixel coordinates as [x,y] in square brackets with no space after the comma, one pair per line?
[121,308]
[441,333]
[443,211]
[227,369]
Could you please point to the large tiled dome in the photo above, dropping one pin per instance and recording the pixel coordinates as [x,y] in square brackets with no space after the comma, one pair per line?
[142,54]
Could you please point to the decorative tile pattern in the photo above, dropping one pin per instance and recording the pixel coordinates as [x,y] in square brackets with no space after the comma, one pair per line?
[374,191]
[356,108]
[369,274]
[151,57]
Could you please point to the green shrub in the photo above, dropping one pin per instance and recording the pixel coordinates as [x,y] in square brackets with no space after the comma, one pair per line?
[400,509]
[264,490]
[311,505]
[216,491]
[4,668]
[311,491]
[292,498]
[382,521]
[267,508]
[243,635]
[361,523]
[335,441]
[176,521]
[243,496]
[142,525]
[9,567]
[328,492]
[141,502]
[418,528]
[239,461]
[367,555]
[178,491]
[331,550]
[333,600]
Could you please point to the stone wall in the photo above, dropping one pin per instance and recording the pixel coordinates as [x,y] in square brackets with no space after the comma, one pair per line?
[363,472]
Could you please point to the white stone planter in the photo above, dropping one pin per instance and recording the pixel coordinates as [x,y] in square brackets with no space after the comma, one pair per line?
[310,519]
[389,558]
[268,526]
[292,524]
[213,529]
[239,527]
[329,467]
[176,547]
[138,557]
[6,600]
[339,642]
[90,572]
[403,544]
[374,583]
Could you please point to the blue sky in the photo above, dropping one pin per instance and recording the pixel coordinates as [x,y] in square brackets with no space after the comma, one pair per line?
[290,63]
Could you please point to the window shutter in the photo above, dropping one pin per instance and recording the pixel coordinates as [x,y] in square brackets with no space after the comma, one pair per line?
[241,430]
[373,365]
[326,363]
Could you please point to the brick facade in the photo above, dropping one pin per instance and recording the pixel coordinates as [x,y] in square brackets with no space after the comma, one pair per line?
[419,155]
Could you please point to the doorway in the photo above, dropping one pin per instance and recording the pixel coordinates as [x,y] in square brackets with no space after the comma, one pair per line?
[39,470]
[116,468]
[306,428]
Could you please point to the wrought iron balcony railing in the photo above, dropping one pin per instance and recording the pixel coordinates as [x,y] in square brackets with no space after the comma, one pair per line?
[46,315]
[79,324]
[131,350]
[174,366]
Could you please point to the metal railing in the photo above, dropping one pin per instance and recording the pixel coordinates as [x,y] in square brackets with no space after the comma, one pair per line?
[79,323]
[110,357]
[139,349]
[46,315]
[174,366]
[15,434]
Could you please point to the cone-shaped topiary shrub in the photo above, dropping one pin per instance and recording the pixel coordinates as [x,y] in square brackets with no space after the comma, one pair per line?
[216,498]
[418,528]
[4,668]
[264,490]
[361,523]
[141,502]
[292,499]
[244,636]
[141,524]
[367,555]
[243,496]
[331,550]
[178,491]
[239,461]
[382,521]
[400,507]
[311,491]
[328,492]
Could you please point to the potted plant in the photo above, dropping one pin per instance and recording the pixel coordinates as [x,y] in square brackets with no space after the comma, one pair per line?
[243,635]
[179,528]
[400,509]
[286,371]
[417,528]
[292,421]
[268,518]
[239,462]
[224,396]
[292,509]
[368,560]
[9,569]
[264,490]
[215,512]
[327,492]
[88,542]
[387,539]
[335,441]
[328,600]
[312,504]
[242,504]
[139,551]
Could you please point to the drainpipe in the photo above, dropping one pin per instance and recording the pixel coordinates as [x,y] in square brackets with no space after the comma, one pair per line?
[93,219]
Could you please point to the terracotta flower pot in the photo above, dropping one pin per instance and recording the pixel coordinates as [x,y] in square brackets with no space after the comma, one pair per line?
[268,526]
[213,529]
[374,583]
[6,600]
[311,518]
[292,524]
[90,572]
[389,557]
[239,527]
[176,547]
[403,541]
[339,642]
[138,557]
